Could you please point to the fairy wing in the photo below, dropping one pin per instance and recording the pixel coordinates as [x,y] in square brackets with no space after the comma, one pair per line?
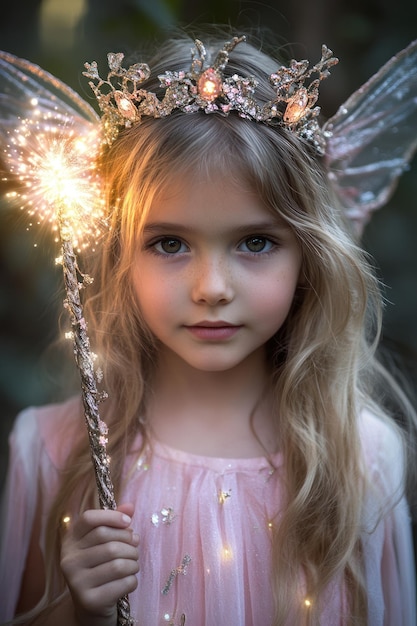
[373,137]
[26,90]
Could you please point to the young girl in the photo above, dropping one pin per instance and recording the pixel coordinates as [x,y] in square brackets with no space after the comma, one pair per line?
[259,480]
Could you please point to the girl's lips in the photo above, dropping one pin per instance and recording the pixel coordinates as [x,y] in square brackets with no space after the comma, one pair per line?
[217,331]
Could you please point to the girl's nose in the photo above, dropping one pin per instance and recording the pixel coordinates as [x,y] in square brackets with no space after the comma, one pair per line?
[212,282]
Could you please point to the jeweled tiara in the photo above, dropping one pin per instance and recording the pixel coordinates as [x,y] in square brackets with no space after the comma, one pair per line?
[124,103]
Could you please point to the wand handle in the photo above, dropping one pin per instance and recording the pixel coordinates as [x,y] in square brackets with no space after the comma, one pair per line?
[97,430]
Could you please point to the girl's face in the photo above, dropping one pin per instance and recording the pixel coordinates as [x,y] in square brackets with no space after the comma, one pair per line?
[215,273]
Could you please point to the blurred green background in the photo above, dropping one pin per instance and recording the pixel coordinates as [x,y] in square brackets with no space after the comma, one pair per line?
[60,35]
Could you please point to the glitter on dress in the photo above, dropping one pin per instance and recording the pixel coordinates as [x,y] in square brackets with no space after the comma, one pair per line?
[222,496]
[167,516]
[181,569]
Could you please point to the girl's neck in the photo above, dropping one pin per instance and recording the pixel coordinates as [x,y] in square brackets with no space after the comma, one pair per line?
[213,413]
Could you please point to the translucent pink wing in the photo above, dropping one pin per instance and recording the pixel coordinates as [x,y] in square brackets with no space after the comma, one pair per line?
[374,136]
[23,83]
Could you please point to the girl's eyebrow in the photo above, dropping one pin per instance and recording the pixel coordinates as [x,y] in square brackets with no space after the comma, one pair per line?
[265,226]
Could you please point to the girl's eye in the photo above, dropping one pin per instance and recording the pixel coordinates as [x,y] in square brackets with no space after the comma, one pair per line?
[256,244]
[169,245]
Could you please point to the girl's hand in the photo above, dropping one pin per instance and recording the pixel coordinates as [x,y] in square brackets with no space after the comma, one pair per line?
[99,560]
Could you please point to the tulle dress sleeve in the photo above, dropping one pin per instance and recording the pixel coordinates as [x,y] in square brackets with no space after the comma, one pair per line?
[38,445]
[18,509]
[387,537]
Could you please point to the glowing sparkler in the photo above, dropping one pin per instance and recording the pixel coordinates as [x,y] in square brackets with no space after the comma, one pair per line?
[52,155]
[56,168]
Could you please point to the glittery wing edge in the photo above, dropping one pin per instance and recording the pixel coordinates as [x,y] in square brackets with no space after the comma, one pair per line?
[22,82]
[373,137]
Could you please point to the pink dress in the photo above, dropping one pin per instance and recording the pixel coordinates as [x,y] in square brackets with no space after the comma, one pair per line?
[204,528]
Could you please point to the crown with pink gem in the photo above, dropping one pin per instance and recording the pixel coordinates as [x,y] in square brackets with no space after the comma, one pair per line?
[124,103]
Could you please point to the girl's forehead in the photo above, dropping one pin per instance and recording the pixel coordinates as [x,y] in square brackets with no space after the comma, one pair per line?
[199,182]
[199,186]
[207,200]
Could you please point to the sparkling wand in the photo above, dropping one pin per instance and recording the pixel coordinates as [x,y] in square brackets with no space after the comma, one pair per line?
[97,429]
[56,170]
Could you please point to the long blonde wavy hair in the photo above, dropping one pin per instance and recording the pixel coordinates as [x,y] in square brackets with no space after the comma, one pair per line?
[322,359]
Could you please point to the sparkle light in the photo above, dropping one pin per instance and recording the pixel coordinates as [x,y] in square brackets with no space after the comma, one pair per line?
[227,554]
[65,522]
[58,179]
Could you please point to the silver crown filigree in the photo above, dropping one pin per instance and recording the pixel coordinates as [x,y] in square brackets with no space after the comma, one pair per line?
[124,102]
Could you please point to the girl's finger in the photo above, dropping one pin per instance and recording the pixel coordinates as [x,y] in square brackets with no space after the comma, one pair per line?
[100,555]
[94,518]
[114,570]
[94,600]
[128,508]
[105,534]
